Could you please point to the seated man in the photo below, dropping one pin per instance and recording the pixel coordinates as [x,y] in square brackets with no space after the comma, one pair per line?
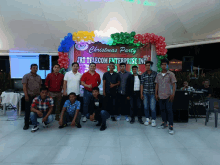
[42,106]
[70,112]
[185,86]
[96,109]
[206,89]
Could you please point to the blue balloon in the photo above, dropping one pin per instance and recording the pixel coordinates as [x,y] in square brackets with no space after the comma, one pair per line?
[69,34]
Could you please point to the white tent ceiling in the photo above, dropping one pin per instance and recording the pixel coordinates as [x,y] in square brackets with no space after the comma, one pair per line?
[38,25]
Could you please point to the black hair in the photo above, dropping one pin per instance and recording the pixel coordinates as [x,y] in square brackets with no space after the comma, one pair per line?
[57,64]
[134,67]
[95,89]
[43,89]
[33,65]
[149,62]
[75,63]
[165,61]
[112,63]
[72,93]
[92,63]
[122,64]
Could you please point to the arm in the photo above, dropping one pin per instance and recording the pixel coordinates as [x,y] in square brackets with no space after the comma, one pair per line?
[142,89]
[156,89]
[84,84]
[128,84]
[25,90]
[76,114]
[49,112]
[47,81]
[174,88]
[99,81]
[62,113]
[34,110]
[64,86]
[104,81]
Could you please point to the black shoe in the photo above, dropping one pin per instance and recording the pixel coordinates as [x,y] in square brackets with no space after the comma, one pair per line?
[140,121]
[35,128]
[25,127]
[78,125]
[99,124]
[62,126]
[113,119]
[103,127]
[132,120]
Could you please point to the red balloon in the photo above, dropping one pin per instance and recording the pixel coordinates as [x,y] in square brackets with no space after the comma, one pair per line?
[144,42]
[60,53]
[136,37]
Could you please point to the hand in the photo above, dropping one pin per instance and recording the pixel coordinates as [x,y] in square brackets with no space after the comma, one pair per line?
[26,98]
[128,98]
[104,94]
[64,93]
[40,114]
[171,98]
[91,117]
[44,119]
[89,86]
[73,123]
[61,122]
[111,85]
[156,97]
[142,97]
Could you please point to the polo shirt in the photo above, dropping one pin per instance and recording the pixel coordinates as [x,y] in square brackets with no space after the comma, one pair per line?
[165,84]
[42,105]
[73,82]
[33,83]
[111,78]
[91,79]
[71,108]
[54,82]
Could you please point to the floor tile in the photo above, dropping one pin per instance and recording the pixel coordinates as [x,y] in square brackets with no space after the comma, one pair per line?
[104,141]
[74,140]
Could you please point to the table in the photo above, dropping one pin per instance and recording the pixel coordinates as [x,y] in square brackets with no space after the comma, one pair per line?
[11,98]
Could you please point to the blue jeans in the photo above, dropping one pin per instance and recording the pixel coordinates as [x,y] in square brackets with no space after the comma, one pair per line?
[166,110]
[150,101]
[102,117]
[135,98]
[86,99]
[34,116]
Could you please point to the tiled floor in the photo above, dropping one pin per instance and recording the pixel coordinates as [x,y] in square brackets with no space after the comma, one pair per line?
[121,143]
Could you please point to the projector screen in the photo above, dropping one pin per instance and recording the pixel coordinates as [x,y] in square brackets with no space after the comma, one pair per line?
[20,65]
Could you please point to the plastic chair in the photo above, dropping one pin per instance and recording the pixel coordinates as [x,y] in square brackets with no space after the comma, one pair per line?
[214,106]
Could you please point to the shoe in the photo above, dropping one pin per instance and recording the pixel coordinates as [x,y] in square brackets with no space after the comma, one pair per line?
[171,131]
[162,126]
[99,124]
[103,127]
[119,117]
[35,128]
[62,126]
[84,119]
[132,120]
[127,119]
[94,120]
[78,125]
[45,125]
[25,127]
[153,124]
[113,118]
[147,122]
[140,121]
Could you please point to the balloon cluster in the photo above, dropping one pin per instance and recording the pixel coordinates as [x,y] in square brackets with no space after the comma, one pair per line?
[63,60]
[66,43]
[159,58]
[123,38]
[84,36]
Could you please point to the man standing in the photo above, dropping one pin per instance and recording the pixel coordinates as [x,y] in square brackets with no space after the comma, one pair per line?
[71,83]
[165,94]
[42,106]
[31,87]
[148,93]
[89,80]
[111,80]
[122,92]
[133,89]
[54,83]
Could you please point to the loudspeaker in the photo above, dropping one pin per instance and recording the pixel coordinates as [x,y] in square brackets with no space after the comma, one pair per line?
[4,65]
[44,62]
[187,64]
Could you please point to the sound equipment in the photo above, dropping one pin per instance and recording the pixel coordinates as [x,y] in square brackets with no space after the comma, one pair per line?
[4,65]
[44,62]
[181,106]
[187,64]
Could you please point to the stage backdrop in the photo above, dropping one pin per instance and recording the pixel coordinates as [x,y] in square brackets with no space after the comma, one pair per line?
[102,55]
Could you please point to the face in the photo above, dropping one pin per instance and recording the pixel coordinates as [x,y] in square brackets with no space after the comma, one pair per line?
[111,67]
[95,93]
[164,66]
[34,69]
[206,83]
[56,68]
[185,84]
[134,70]
[92,67]
[122,68]
[148,66]
[72,98]
[43,94]
[75,67]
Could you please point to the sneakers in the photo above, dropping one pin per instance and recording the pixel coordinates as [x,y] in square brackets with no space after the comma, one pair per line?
[113,118]
[147,122]
[99,124]
[45,125]
[162,126]
[132,120]
[84,119]
[119,117]
[171,131]
[25,127]
[103,127]
[153,124]
[78,125]
[127,119]
[35,128]
[140,121]
[62,126]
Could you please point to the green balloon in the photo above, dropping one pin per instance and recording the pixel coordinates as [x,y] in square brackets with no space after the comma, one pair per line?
[133,33]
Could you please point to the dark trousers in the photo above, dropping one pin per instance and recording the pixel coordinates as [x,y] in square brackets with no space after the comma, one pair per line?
[64,98]
[110,103]
[166,110]
[122,104]
[28,109]
[135,109]
[102,117]
[67,118]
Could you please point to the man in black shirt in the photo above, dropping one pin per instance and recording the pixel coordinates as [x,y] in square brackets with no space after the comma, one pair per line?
[111,80]
[206,89]
[96,109]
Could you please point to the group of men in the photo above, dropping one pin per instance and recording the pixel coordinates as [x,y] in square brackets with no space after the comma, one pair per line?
[118,89]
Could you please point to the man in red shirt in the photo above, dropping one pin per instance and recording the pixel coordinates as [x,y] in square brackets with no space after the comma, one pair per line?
[89,80]
[54,82]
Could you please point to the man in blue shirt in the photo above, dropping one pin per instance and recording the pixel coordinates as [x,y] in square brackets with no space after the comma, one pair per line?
[70,112]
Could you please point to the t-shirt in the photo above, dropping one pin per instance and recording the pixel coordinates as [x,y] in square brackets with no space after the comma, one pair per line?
[71,108]
[206,91]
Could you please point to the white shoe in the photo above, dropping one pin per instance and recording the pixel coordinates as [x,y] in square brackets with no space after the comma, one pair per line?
[147,121]
[153,124]
[84,119]
[127,119]
[119,118]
